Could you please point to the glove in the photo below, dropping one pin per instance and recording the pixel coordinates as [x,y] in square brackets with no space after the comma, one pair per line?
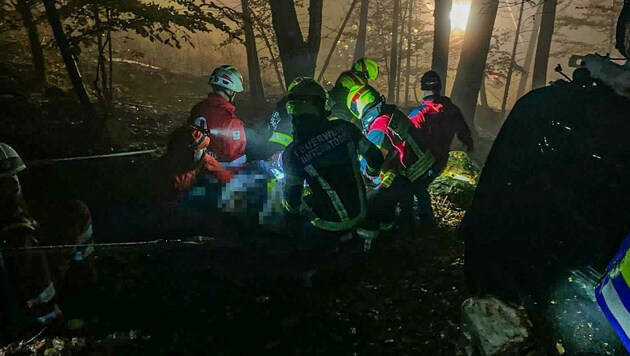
[373,182]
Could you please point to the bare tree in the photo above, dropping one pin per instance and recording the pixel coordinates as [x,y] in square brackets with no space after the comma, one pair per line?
[408,64]
[299,57]
[400,49]
[23,7]
[393,60]
[334,44]
[473,58]
[441,38]
[68,58]
[256,90]
[529,56]
[506,92]
[541,62]
[359,50]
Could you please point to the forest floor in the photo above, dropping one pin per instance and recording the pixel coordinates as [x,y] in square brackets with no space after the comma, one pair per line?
[405,299]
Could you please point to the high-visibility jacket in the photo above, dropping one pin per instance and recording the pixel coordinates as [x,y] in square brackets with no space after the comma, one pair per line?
[228,140]
[325,155]
[613,293]
[338,95]
[280,126]
[397,138]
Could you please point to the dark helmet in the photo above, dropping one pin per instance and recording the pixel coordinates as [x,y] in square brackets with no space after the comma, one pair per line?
[306,97]
[431,81]
[623,30]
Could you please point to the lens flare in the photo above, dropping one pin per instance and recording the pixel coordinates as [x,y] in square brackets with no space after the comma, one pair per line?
[459,15]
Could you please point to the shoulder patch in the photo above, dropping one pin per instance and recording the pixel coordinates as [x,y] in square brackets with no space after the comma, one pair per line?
[236,135]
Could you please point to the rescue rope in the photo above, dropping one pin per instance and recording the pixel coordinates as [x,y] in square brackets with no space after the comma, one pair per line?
[82,158]
[24,343]
[113,244]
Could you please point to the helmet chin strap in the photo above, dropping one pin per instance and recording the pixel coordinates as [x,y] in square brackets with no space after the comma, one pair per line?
[231,97]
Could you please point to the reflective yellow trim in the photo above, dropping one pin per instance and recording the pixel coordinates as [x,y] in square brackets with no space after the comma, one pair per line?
[624,267]
[332,195]
[289,208]
[347,224]
[422,166]
[388,179]
[280,138]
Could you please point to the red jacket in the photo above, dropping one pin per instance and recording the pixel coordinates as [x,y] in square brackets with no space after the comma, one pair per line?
[227,130]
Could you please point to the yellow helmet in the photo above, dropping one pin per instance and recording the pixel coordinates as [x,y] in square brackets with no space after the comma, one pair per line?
[362,98]
[367,66]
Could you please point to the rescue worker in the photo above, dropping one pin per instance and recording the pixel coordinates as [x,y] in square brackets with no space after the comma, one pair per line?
[185,160]
[277,133]
[325,155]
[362,71]
[218,111]
[439,121]
[407,160]
[28,290]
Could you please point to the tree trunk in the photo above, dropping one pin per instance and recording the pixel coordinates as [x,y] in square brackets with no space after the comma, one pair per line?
[334,45]
[441,39]
[393,59]
[37,54]
[359,50]
[272,55]
[256,90]
[541,63]
[612,32]
[472,64]
[400,53]
[100,83]
[110,57]
[508,83]
[68,58]
[408,73]
[299,57]
[529,57]
[483,94]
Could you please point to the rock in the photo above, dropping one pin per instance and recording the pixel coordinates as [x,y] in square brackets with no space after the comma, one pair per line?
[495,328]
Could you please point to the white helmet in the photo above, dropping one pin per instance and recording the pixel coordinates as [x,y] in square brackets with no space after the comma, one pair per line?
[227,77]
[10,161]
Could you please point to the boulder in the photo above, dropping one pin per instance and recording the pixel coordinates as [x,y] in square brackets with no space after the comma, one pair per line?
[495,328]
